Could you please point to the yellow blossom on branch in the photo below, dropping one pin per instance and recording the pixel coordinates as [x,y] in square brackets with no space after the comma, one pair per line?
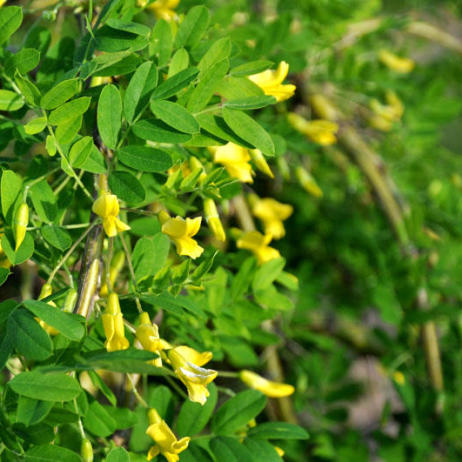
[384,115]
[307,182]
[396,63]
[113,325]
[186,363]
[235,159]
[166,441]
[21,219]
[107,207]
[213,220]
[260,162]
[258,244]
[270,81]
[267,387]
[272,213]
[181,232]
[147,334]
[320,131]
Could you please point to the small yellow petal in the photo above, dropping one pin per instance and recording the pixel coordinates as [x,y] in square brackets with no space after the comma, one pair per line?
[269,388]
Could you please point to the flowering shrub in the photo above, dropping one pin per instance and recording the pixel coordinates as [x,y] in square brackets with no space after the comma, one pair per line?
[153,153]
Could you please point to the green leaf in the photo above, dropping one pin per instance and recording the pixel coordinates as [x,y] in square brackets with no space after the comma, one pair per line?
[25,251]
[159,132]
[51,453]
[30,92]
[127,187]
[249,130]
[267,274]
[174,84]
[109,115]
[144,159]
[217,127]
[95,162]
[238,411]
[207,86]
[10,188]
[118,455]
[69,110]
[128,26]
[28,337]
[35,125]
[175,115]
[193,417]
[193,27]
[99,383]
[161,42]
[80,151]
[278,431]
[252,102]
[60,93]
[178,63]
[56,236]
[150,255]
[253,67]
[56,386]
[262,450]
[226,449]
[32,411]
[68,129]
[127,361]
[143,81]
[67,324]
[43,200]
[175,305]
[98,421]
[219,51]
[4,273]
[10,101]
[238,87]
[10,20]
[24,60]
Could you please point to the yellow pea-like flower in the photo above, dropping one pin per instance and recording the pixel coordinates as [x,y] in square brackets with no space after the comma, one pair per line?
[186,363]
[213,220]
[113,325]
[21,221]
[272,213]
[267,387]
[166,442]
[107,207]
[116,266]
[384,115]
[257,243]
[147,334]
[320,131]
[181,232]
[270,81]
[235,159]
[396,63]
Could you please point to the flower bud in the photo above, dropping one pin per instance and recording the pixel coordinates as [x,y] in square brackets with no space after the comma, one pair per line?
[260,162]
[21,220]
[46,291]
[70,300]
[213,219]
[307,182]
[86,451]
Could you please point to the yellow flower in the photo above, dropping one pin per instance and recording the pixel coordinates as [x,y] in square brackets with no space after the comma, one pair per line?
[272,213]
[163,9]
[396,63]
[148,335]
[271,389]
[260,162]
[213,220]
[270,81]
[399,378]
[113,325]
[96,81]
[2,2]
[186,363]
[107,207]
[165,439]
[235,159]
[182,231]
[45,292]
[320,131]
[279,450]
[117,264]
[258,244]
[386,114]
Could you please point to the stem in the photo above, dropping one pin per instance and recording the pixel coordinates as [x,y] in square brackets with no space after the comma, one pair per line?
[228,374]
[174,385]
[138,397]
[132,273]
